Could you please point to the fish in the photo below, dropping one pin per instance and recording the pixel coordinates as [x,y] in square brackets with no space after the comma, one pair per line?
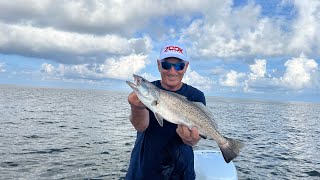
[177,109]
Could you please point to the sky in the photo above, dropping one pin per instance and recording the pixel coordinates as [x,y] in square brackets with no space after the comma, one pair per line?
[252,49]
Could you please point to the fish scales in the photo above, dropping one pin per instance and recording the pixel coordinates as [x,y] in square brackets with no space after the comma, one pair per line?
[186,113]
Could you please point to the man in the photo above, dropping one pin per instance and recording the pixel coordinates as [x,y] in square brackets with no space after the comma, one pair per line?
[164,152]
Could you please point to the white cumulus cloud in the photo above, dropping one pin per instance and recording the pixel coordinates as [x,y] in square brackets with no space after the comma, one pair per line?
[306,37]
[124,67]
[258,69]
[121,68]
[301,72]
[236,32]
[195,79]
[231,79]
[47,68]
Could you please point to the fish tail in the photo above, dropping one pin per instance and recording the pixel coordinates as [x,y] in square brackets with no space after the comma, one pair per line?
[231,149]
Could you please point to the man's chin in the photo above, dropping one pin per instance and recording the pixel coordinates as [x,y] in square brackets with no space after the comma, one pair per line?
[173,79]
[173,83]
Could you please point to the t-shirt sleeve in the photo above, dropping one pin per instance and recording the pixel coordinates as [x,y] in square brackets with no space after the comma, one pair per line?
[201,98]
[197,95]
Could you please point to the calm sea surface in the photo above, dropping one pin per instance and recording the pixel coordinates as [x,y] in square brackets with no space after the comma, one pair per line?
[85,134]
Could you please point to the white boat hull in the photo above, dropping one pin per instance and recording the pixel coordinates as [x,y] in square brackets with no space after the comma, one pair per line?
[210,165]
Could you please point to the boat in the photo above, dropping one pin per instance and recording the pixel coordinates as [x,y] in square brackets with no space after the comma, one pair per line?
[210,165]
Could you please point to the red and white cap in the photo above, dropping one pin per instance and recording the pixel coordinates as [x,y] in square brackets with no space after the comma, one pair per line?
[174,50]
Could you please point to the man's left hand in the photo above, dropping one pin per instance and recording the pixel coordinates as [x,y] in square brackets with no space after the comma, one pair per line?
[190,137]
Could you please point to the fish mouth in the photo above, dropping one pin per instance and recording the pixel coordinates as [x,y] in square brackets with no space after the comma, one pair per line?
[132,85]
[136,83]
[137,79]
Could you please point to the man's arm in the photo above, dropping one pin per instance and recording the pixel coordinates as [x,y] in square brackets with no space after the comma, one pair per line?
[139,114]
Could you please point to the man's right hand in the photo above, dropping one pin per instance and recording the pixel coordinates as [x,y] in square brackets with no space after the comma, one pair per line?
[139,114]
[135,101]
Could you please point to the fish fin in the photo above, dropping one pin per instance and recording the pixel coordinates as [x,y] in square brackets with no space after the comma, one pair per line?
[159,119]
[231,149]
[206,110]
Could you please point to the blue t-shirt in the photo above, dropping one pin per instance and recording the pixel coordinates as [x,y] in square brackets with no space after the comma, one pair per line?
[159,152]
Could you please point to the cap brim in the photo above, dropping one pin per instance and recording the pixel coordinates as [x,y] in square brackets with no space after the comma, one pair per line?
[172,55]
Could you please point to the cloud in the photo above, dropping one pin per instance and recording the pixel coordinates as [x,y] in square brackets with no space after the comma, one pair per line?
[231,79]
[256,79]
[236,32]
[195,79]
[258,69]
[67,47]
[82,31]
[217,70]
[301,72]
[306,37]
[121,69]
[96,17]
[2,67]
[149,77]
[124,67]
[246,32]
[47,68]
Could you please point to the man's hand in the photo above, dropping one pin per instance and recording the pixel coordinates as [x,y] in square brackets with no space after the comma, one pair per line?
[135,102]
[139,114]
[188,137]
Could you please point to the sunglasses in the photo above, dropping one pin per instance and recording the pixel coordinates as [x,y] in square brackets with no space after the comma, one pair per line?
[177,66]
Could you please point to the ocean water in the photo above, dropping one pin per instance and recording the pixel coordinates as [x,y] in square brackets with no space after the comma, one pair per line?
[48,133]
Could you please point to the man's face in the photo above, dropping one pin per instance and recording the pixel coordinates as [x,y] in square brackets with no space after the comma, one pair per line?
[171,79]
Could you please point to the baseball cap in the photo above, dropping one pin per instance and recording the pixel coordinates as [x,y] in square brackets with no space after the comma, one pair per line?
[174,50]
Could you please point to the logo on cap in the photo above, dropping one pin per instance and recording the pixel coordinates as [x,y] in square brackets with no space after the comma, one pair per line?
[174,48]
